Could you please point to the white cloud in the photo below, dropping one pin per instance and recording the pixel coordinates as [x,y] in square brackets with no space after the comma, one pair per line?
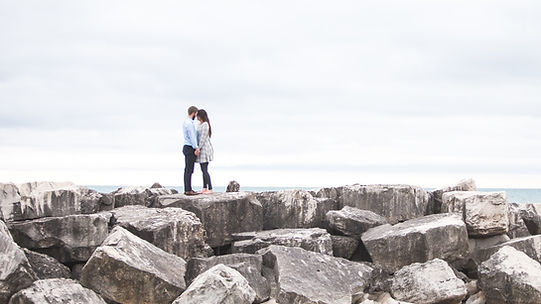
[299,93]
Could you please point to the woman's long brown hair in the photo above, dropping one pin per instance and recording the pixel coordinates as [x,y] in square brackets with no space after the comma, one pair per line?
[204,117]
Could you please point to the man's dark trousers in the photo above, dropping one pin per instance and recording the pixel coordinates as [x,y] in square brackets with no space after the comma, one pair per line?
[189,157]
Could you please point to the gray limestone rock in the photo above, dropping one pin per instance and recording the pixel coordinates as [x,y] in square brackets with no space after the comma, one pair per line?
[313,239]
[353,222]
[531,215]
[69,239]
[9,197]
[47,267]
[56,291]
[435,203]
[344,246]
[510,276]
[15,271]
[222,214]
[485,213]
[294,209]
[478,298]
[441,236]
[127,269]
[302,276]
[530,245]
[397,203]
[138,195]
[248,265]
[428,283]
[233,186]
[517,226]
[218,285]
[174,230]
[48,199]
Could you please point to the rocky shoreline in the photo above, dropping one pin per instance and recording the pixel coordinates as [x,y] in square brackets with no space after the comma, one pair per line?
[63,243]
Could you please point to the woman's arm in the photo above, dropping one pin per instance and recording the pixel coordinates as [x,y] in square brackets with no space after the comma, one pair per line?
[203,139]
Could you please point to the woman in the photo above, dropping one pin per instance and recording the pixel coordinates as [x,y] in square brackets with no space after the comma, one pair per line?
[204,132]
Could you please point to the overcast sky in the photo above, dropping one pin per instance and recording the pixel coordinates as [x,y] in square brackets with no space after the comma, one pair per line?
[299,93]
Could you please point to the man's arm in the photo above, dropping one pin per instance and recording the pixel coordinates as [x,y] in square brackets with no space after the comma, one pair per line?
[193,137]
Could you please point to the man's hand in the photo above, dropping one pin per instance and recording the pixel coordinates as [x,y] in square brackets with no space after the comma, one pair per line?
[197,152]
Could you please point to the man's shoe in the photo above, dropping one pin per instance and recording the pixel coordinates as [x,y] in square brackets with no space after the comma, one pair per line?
[191,193]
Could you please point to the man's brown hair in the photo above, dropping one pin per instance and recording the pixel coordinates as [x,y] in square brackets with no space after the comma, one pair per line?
[192,110]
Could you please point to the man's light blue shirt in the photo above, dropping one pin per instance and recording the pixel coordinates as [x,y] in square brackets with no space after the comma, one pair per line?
[190,135]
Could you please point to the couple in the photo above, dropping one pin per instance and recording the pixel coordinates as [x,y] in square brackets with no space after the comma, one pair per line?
[197,148]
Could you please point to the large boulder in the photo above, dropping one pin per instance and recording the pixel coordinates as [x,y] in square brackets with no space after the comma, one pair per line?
[220,284]
[293,209]
[313,239]
[436,201]
[47,267]
[530,245]
[127,269]
[47,199]
[248,265]
[56,291]
[303,276]
[174,230]
[428,283]
[510,276]
[517,226]
[222,214]
[9,197]
[531,215]
[397,203]
[485,213]
[353,222]
[138,195]
[69,239]
[441,236]
[344,246]
[15,271]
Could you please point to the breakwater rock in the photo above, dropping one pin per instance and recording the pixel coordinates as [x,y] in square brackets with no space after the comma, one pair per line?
[351,244]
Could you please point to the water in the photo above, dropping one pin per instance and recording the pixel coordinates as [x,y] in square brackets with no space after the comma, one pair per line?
[515,195]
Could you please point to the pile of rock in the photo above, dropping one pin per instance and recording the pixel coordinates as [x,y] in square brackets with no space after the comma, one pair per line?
[63,243]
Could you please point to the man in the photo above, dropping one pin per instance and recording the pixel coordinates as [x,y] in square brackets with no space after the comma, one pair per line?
[190,149]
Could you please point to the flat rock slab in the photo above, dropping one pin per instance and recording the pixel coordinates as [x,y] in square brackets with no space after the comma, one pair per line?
[397,203]
[530,245]
[56,291]
[294,209]
[46,199]
[69,239]
[437,194]
[510,276]
[222,214]
[127,269]
[220,284]
[138,195]
[248,265]
[47,267]
[485,213]
[428,283]
[303,276]
[352,221]
[419,240]
[174,230]
[15,270]
[312,239]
